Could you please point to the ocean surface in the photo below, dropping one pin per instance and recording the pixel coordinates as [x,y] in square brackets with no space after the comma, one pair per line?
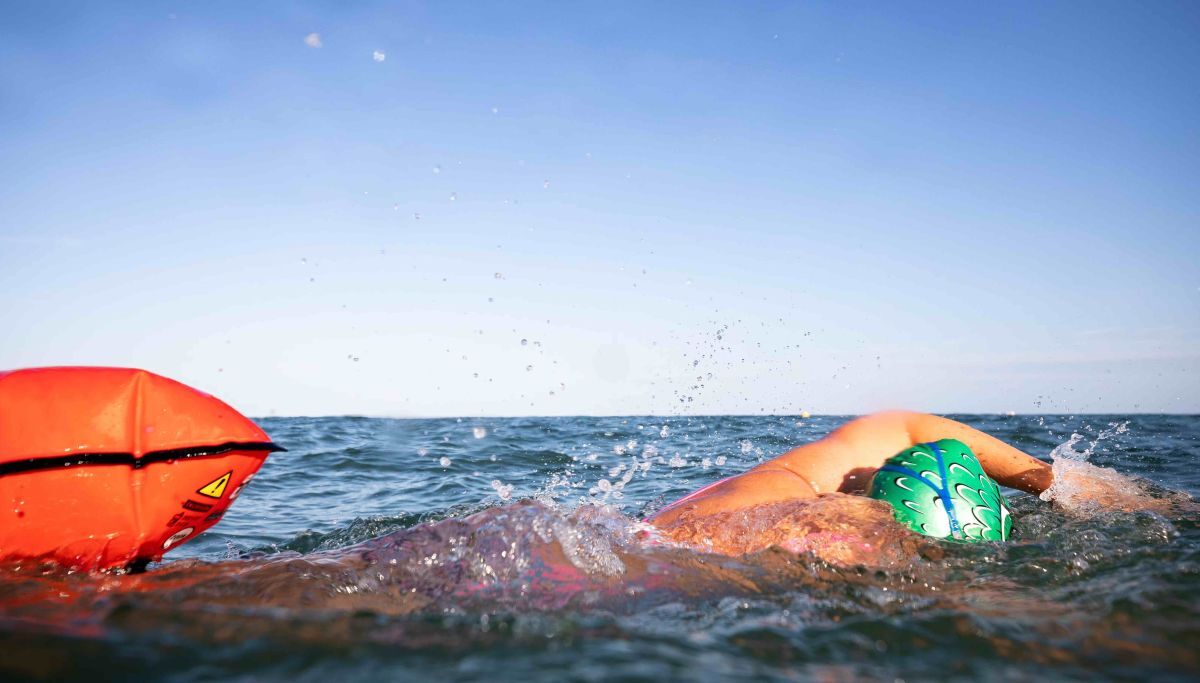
[511,549]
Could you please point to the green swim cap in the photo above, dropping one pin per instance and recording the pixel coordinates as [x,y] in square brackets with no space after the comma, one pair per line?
[940,489]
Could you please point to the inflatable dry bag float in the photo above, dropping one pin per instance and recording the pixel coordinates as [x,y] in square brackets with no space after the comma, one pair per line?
[103,468]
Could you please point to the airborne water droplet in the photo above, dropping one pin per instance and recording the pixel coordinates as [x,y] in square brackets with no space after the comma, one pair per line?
[502,490]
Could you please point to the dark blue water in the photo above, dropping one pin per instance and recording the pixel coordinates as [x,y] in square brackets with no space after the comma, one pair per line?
[387,549]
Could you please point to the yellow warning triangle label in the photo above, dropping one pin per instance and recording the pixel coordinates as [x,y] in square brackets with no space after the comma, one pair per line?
[216,487]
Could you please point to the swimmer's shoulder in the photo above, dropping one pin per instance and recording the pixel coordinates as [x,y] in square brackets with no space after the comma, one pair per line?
[767,483]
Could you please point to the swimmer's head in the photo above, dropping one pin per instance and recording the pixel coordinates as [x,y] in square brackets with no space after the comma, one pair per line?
[939,489]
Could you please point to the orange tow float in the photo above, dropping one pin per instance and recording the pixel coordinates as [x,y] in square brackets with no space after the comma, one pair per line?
[112,467]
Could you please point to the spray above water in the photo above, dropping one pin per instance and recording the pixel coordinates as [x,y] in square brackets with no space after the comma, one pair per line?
[1082,487]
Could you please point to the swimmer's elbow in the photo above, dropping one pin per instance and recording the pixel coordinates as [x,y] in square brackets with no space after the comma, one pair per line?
[902,428]
[908,419]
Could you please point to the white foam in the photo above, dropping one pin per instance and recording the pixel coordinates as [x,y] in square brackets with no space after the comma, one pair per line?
[1079,486]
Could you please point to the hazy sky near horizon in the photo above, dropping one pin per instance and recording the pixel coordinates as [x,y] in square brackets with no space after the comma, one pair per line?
[464,208]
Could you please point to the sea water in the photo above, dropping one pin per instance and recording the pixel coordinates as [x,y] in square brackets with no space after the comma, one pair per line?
[513,549]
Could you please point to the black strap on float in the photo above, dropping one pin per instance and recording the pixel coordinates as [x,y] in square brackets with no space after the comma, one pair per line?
[48,463]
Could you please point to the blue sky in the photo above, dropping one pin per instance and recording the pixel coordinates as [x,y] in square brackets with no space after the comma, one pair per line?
[680,207]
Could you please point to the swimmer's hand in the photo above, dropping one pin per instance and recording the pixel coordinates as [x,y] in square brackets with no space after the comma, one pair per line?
[1082,487]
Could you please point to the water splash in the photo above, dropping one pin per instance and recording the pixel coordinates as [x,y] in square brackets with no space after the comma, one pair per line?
[1083,488]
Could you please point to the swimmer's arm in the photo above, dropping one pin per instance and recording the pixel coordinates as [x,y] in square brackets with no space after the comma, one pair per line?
[1006,464]
[846,460]
[1080,484]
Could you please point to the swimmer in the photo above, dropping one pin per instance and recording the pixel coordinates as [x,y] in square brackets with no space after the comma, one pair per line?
[882,456]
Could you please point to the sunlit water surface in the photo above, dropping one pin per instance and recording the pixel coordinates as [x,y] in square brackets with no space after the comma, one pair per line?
[511,549]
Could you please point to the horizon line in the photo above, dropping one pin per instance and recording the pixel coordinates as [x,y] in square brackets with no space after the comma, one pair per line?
[708,415]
